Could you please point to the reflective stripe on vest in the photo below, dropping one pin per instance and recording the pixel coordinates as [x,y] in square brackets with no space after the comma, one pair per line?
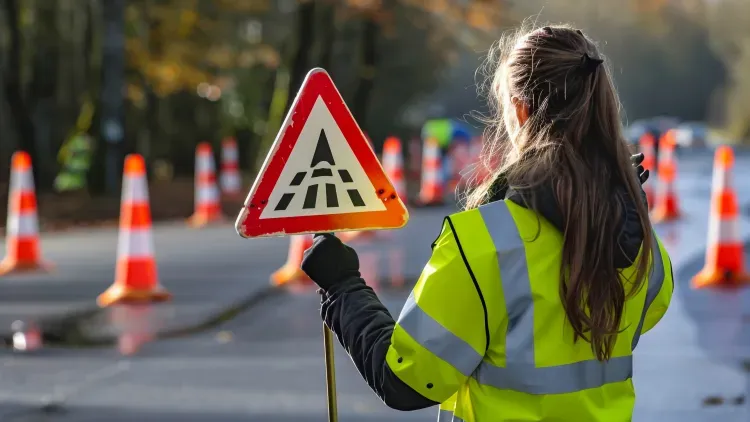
[435,338]
[521,373]
[448,416]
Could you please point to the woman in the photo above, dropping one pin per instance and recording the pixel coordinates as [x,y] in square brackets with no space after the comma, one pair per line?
[536,295]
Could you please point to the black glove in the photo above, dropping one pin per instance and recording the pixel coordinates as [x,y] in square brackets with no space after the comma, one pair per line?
[329,262]
[642,174]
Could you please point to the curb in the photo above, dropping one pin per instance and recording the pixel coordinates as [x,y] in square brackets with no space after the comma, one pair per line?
[66,331]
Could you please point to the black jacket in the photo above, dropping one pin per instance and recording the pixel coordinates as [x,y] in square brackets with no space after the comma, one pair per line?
[364,326]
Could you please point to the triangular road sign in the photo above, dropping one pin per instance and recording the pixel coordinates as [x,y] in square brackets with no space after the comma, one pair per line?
[321,175]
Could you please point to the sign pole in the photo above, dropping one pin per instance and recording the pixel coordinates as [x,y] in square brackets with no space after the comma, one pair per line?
[301,165]
[330,374]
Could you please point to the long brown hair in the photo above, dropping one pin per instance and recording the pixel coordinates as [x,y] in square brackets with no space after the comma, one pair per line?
[572,141]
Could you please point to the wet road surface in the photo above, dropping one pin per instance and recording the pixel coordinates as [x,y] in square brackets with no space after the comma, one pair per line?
[267,363]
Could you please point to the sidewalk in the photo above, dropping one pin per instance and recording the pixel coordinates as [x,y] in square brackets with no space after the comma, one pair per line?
[207,271]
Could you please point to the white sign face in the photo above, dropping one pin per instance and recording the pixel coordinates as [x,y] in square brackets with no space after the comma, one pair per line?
[322,175]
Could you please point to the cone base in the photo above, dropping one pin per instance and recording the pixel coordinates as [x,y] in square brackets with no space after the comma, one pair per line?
[117,293]
[289,274]
[712,277]
[201,220]
[662,216]
[12,266]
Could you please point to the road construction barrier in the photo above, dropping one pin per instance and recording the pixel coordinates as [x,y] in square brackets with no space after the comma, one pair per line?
[431,189]
[647,145]
[22,236]
[666,206]
[207,200]
[231,180]
[136,277]
[725,256]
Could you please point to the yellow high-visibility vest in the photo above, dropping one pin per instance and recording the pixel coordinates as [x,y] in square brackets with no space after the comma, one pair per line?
[485,334]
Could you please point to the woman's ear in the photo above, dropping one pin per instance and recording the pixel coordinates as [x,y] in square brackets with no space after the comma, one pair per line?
[522,110]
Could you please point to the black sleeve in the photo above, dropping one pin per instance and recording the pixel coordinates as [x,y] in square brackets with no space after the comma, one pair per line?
[364,326]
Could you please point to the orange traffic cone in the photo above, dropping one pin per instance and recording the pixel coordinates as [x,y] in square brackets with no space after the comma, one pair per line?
[649,162]
[291,271]
[22,230]
[666,206]
[135,275]
[724,257]
[231,182]
[393,164]
[207,205]
[431,190]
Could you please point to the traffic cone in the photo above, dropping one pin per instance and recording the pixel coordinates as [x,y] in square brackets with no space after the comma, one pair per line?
[231,181]
[431,189]
[725,256]
[22,229]
[291,271]
[135,275]
[646,144]
[666,206]
[207,205]
[393,164]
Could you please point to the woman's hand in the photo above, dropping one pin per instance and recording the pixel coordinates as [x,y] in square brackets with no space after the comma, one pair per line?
[329,262]
[643,174]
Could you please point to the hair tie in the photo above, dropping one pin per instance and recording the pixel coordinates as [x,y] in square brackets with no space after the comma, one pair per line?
[589,64]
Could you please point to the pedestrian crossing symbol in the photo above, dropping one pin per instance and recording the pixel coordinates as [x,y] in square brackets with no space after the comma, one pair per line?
[321,175]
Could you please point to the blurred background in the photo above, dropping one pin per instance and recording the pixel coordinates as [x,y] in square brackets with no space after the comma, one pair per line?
[83,83]
[158,76]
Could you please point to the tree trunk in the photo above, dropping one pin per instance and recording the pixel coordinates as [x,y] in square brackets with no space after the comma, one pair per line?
[305,40]
[327,37]
[43,90]
[18,106]
[366,70]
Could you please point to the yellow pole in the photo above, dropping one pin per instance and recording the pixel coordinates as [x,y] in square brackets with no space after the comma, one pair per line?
[330,374]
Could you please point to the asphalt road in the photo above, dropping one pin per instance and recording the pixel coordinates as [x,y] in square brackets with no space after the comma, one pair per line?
[266,364]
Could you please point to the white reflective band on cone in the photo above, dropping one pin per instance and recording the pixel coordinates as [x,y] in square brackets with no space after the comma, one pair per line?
[722,180]
[724,231]
[135,189]
[207,194]
[135,243]
[205,164]
[22,181]
[23,224]
[431,175]
[230,182]
[230,154]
